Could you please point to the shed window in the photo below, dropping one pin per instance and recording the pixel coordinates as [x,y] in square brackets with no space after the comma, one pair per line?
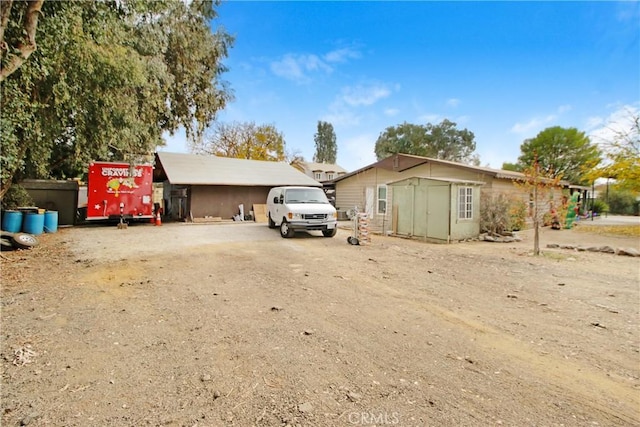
[465,203]
[382,199]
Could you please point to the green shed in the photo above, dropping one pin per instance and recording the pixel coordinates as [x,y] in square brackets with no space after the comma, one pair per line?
[436,209]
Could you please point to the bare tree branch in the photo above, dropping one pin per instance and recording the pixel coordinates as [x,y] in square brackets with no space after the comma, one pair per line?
[27,45]
[5,12]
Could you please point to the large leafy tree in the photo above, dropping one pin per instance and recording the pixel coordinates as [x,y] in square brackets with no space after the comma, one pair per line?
[106,81]
[243,141]
[326,146]
[441,141]
[565,153]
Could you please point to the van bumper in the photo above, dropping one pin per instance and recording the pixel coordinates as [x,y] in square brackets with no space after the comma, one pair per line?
[311,226]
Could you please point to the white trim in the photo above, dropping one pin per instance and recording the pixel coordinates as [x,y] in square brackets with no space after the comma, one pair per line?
[378,200]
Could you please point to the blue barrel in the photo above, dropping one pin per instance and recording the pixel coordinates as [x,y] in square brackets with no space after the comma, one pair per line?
[50,221]
[12,221]
[33,223]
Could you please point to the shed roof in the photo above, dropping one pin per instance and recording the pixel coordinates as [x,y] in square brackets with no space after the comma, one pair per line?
[196,169]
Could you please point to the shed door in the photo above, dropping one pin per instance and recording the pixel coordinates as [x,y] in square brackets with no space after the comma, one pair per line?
[403,208]
[438,202]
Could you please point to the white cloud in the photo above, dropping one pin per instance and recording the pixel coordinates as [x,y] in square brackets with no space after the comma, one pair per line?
[430,118]
[453,102]
[341,116]
[619,122]
[593,122]
[533,124]
[299,67]
[461,119]
[364,94]
[537,123]
[391,112]
[341,55]
[564,108]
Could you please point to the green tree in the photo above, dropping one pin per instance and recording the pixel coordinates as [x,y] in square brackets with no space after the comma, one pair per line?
[514,167]
[442,141]
[565,153]
[106,81]
[243,141]
[326,147]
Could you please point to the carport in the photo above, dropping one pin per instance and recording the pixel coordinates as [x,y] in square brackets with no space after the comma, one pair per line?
[436,209]
[205,186]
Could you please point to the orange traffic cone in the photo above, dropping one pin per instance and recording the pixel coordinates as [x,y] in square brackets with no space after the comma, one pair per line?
[158,219]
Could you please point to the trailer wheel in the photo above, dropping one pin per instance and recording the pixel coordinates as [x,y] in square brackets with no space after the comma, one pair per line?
[24,240]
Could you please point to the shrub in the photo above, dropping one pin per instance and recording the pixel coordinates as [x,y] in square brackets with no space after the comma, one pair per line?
[517,215]
[599,206]
[498,214]
[15,197]
[621,202]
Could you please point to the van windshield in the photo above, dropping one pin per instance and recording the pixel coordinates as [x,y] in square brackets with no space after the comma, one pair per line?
[305,195]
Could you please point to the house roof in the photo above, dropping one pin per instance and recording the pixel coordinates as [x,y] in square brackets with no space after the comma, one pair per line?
[401,162]
[196,169]
[323,167]
[447,180]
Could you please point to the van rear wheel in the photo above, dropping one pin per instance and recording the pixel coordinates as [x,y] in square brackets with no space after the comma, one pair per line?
[286,230]
[271,223]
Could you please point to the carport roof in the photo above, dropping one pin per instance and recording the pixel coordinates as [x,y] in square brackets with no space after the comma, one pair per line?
[196,169]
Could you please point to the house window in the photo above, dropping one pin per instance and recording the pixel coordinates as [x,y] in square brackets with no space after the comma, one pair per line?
[329,175]
[465,203]
[382,199]
[318,175]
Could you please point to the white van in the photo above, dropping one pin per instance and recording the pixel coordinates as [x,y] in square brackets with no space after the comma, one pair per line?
[301,208]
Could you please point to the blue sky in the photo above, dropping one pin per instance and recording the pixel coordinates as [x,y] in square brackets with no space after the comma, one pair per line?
[503,70]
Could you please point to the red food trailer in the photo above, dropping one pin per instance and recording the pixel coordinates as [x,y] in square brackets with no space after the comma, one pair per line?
[119,189]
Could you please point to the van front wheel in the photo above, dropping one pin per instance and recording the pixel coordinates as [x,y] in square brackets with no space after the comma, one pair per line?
[285,229]
[329,233]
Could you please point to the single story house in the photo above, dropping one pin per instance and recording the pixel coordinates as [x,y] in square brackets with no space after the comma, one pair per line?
[200,186]
[368,188]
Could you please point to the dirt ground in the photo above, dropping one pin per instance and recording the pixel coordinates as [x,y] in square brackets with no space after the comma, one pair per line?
[218,325]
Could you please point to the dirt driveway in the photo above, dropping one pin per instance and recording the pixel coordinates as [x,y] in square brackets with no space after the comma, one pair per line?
[217,325]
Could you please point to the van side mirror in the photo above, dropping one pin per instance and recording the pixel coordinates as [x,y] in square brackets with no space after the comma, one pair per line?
[276,200]
[281,199]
